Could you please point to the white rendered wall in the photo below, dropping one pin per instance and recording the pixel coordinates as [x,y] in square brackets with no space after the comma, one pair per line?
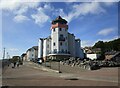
[81,51]
[55,37]
[93,56]
[32,55]
[44,48]
[77,48]
[40,48]
[71,44]
[64,45]
[48,46]
[29,56]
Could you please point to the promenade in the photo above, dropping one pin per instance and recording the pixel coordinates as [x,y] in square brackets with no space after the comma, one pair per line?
[32,74]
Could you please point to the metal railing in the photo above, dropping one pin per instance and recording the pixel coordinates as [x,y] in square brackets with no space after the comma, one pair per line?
[61,39]
[59,52]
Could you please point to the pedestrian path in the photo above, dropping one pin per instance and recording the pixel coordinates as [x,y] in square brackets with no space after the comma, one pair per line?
[73,75]
[31,74]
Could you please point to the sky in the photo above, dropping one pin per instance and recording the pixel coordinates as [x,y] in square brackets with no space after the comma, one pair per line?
[23,23]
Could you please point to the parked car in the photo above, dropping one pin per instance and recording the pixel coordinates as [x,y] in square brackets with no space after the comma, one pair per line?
[39,61]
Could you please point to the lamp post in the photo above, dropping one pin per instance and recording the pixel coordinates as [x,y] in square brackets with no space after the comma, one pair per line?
[3,58]
[59,65]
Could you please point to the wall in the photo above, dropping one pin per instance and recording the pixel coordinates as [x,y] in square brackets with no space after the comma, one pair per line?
[93,56]
[71,44]
[55,38]
[64,45]
[28,55]
[40,48]
[44,48]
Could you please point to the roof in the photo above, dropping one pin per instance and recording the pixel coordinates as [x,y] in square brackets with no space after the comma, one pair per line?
[59,19]
[23,54]
[111,53]
[35,47]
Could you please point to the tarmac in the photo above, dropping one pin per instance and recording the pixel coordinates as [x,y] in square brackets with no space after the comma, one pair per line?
[32,74]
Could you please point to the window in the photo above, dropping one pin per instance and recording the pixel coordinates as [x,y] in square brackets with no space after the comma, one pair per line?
[61,43]
[47,46]
[66,51]
[60,29]
[62,50]
[54,44]
[54,30]
[61,35]
[55,50]
[66,44]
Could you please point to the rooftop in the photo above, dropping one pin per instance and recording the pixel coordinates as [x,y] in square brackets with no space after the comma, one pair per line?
[59,19]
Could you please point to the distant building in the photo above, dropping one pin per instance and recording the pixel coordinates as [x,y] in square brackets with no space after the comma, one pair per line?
[92,53]
[32,53]
[93,56]
[60,44]
[113,55]
[24,57]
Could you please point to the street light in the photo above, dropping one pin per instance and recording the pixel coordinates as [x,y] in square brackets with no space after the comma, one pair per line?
[3,57]
[59,65]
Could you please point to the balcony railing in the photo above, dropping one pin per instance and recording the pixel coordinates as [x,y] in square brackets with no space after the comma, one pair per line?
[59,52]
[61,39]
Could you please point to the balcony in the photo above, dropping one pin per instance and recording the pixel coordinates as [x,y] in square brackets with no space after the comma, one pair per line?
[61,39]
[59,53]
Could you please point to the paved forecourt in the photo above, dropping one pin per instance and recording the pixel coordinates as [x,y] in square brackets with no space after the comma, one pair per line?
[31,74]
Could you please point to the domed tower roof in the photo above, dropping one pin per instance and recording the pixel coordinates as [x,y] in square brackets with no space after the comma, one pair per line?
[59,19]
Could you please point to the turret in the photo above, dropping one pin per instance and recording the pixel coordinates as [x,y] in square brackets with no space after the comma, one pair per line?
[59,35]
[59,22]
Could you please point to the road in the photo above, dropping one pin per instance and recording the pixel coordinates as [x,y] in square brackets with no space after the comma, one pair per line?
[31,74]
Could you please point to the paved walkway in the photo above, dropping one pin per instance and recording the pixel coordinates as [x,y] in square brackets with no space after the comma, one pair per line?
[31,74]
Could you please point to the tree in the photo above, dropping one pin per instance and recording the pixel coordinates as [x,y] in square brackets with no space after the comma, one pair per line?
[113,45]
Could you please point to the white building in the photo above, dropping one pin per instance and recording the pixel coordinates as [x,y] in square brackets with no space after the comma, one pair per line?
[32,53]
[60,44]
[93,56]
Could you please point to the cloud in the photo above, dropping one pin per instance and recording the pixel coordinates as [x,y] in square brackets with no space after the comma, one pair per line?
[110,39]
[20,18]
[106,31]
[87,43]
[13,49]
[43,14]
[109,3]
[83,9]
[40,18]
[60,12]
[105,0]
[18,8]
[6,5]
[17,4]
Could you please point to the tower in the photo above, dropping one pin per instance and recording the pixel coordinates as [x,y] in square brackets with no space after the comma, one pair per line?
[59,36]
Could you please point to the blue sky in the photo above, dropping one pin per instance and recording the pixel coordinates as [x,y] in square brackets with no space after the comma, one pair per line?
[24,23]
